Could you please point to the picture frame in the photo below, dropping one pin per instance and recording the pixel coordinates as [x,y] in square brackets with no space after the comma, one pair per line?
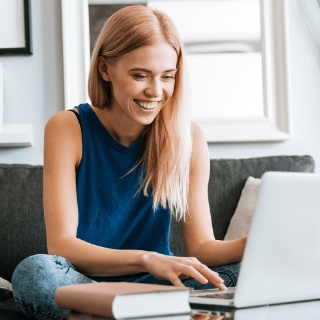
[15,18]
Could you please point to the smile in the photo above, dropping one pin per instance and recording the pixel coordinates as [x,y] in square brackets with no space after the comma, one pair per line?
[149,105]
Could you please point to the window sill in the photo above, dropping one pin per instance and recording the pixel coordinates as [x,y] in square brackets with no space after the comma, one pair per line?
[16,136]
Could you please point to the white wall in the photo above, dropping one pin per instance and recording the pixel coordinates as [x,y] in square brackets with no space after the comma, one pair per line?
[33,85]
[34,90]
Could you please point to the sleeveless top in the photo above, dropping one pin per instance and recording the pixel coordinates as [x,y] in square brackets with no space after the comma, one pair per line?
[111,213]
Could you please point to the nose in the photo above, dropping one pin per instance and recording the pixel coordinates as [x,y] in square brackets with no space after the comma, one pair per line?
[154,89]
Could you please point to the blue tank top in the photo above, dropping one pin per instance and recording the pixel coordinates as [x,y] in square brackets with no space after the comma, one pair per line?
[111,214]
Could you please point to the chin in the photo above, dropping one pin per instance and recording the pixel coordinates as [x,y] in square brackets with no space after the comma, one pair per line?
[145,121]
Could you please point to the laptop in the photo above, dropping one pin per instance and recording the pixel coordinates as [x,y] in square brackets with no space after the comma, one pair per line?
[309,310]
[281,262]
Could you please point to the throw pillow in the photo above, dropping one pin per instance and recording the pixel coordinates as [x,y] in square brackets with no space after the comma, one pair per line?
[5,290]
[240,222]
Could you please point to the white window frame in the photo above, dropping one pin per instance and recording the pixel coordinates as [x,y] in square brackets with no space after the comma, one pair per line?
[274,125]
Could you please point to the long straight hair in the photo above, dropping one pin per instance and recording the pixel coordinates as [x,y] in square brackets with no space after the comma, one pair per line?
[166,160]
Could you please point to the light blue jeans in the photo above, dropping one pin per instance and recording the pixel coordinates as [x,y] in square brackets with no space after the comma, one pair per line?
[36,279]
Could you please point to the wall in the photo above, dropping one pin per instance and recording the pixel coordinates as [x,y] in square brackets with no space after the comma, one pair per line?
[33,85]
[34,89]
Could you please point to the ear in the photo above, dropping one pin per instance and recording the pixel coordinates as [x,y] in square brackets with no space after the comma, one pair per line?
[103,69]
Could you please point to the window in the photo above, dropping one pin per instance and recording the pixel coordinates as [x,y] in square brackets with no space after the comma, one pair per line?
[224,55]
[237,57]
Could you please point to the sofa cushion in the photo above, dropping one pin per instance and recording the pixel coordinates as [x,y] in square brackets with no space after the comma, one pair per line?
[8,308]
[21,213]
[5,290]
[241,219]
[228,176]
[4,284]
[5,294]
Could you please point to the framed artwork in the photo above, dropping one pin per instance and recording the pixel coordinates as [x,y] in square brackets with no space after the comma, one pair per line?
[15,26]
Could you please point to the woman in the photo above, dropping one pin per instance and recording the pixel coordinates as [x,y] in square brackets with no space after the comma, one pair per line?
[114,177]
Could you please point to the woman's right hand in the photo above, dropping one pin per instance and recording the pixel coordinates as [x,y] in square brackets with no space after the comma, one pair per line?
[176,269]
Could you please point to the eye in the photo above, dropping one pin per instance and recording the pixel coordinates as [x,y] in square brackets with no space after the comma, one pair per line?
[168,76]
[140,76]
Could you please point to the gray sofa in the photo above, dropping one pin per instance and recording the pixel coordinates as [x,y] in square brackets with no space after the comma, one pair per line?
[21,212]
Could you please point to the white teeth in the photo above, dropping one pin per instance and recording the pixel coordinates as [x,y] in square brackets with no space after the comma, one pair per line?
[147,105]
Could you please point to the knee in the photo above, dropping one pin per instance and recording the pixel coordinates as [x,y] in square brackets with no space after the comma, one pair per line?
[37,266]
[26,268]
[37,271]
[34,282]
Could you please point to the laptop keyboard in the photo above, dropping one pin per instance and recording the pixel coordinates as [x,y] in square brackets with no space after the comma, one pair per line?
[218,295]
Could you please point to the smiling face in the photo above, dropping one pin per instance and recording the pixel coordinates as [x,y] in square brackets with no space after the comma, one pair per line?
[142,81]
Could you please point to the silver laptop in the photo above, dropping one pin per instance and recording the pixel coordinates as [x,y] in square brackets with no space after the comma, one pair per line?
[281,261]
[309,310]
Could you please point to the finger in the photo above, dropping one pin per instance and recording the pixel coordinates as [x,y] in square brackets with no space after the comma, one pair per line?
[216,280]
[212,276]
[183,277]
[176,281]
[200,272]
[192,272]
[220,286]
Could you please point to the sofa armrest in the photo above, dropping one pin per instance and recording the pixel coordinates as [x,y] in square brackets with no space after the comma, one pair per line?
[21,213]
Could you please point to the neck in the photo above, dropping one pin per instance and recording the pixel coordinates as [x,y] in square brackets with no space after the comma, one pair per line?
[125,133]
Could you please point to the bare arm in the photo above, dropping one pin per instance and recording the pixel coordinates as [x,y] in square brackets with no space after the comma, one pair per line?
[197,230]
[62,154]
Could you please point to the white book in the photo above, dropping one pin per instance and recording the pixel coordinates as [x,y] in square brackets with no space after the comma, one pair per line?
[124,300]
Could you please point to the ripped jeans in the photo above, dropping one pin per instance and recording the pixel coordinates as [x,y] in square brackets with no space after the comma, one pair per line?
[36,279]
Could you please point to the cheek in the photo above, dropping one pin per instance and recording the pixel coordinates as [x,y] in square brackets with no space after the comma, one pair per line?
[169,90]
[131,87]
[125,89]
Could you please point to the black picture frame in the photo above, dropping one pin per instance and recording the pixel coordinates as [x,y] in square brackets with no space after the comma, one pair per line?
[27,48]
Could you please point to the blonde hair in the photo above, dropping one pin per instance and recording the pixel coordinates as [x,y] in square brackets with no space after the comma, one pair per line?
[166,159]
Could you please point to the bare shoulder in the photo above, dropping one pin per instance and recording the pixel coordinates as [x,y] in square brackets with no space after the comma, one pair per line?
[195,129]
[63,136]
[61,119]
[63,124]
[199,141]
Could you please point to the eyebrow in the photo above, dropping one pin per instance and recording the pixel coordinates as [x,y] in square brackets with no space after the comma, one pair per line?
[149,71]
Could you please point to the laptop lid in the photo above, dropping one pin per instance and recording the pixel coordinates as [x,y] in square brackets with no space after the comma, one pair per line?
[281,259]
[282,256]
